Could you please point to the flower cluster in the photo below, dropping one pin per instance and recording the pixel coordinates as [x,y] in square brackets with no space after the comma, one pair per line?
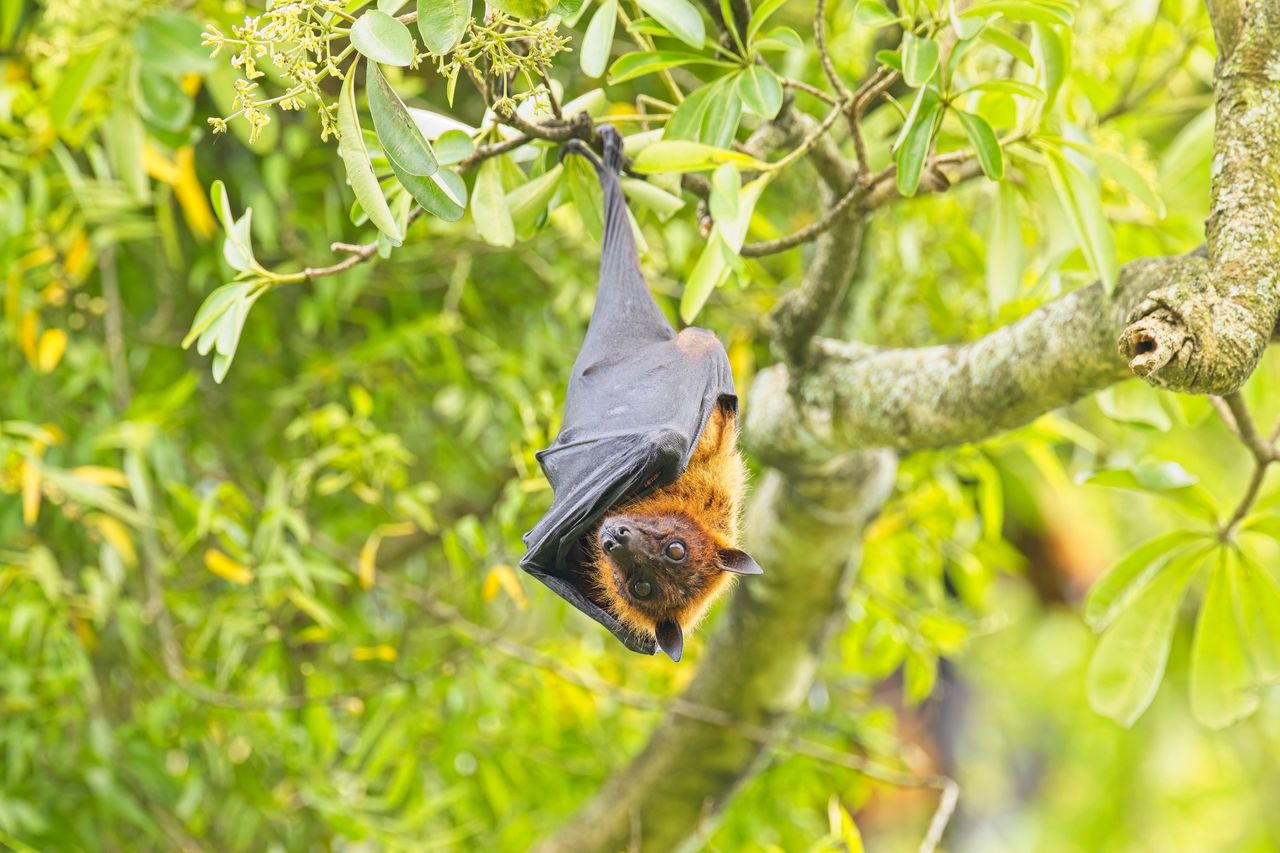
[296,38]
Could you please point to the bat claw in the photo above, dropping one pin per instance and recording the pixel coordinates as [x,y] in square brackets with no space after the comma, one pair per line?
[577,146]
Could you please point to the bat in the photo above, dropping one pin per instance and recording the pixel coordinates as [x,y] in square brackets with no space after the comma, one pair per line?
[647,478]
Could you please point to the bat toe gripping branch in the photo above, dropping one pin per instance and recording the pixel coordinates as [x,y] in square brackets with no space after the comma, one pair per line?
[612,150]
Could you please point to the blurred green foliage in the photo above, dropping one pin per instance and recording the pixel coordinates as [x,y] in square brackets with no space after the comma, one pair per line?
[225,607]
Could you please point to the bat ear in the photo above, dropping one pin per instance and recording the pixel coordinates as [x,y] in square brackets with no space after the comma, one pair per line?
[739,562]
[671,638]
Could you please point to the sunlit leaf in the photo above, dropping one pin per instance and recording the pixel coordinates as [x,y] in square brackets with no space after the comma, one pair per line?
[680,17]
[226,568]
[355,157]
[381,38]
[442,22]
[398,133]
[1128,663]
[1222,683]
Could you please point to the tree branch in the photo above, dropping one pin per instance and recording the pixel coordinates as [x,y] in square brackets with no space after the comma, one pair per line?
[855,396]
[1205,333]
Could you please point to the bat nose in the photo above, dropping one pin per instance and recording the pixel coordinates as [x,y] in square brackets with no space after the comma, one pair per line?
[616,537]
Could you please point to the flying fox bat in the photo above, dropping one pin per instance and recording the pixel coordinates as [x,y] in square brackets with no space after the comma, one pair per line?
[648,482]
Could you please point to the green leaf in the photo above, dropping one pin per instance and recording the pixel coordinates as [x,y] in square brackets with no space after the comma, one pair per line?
[489,206]
[686,121]
[1020,10]
[985,144]
[382,38]
[161,100]
[663,204]
[1257,598]
[213,307]
[919,59]
[442,22]
[760,15]
[915,149]
[1009,43]
[681,156]
[724,112]
[453,146]
[1113,591]
[584,187]
[1008,87]
[81,74]
[723,244]
[443,195]
[529,201]
[640,63]
[1006,254]
[873,13]
[170,42]
[398,133]
[598,41]
[779,38]
[760,90]
[1118,169]
[355,157]
[1128,663]
[726,185]
[1053,56]
[1083,207]
[680,17]
[1134,402]
[1222,684]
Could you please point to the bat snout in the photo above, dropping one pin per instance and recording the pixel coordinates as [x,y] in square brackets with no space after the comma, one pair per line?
[614,537]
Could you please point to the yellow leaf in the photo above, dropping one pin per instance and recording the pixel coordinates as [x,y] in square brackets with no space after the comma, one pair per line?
[366,563]
[190,83]
[28,329]
[382,652]
[313,634]
[30,492]
[53,343]
[116,534]
[88,637]
[225,567]
[504,577]
[77,255]
[101,476]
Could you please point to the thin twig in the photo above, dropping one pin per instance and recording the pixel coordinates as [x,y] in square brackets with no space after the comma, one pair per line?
[820,37]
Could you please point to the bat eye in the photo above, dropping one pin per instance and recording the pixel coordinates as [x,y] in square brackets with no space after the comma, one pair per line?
[641,589]
[675,551]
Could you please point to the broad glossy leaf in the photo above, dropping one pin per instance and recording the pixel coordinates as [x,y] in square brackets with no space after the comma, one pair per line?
[663,204]
[1110,593]
[598,41]
[680,17]
[1053,56]
[489,206]
[1020,10]
[919,59]
[398,133]
[724,112]
[780,39]
[1257,598]
[529,201]
[584,187]
[1009,87]
[873,13]
[915,149]
[681,156]
[1083,207]
[760,15]
[443,195]
[985,144]
[452,147]
[1128,663]
[169,41]
[686,121]
[760,90]
[638,64]
[382,38]
[441,23]
[726,185]
[1222,682]
[355,157]
[1009,43]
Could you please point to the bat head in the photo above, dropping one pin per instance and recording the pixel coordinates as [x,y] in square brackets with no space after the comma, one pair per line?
[659,573]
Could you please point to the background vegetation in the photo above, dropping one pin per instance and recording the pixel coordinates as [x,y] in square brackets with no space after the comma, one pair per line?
[270,602]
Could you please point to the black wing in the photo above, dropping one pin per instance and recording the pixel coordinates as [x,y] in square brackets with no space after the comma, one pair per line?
[638,399]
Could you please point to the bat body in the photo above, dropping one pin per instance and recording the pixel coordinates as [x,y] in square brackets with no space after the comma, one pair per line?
[642,532]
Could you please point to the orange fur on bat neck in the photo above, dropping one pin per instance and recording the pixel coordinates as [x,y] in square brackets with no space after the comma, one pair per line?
[709,494]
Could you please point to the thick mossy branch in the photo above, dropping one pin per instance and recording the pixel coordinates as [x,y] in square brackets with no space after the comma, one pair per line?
[758,666]
[1207,336]
[853,396]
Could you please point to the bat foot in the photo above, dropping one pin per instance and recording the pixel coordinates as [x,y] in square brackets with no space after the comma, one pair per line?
[577,146]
